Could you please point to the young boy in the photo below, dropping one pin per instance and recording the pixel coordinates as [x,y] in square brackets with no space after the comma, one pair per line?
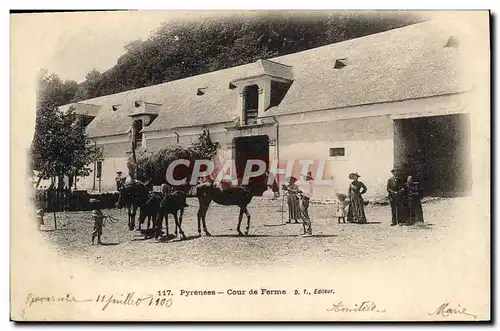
[98,218]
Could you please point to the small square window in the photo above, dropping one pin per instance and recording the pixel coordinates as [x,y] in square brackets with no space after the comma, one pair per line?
[337,151]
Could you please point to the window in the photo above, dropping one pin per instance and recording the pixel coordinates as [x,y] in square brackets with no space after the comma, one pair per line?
[138,133]
[201,91]
[337,151]
[339,64]
[251,110]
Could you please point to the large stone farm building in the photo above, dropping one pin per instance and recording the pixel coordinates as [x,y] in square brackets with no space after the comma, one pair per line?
[363,105]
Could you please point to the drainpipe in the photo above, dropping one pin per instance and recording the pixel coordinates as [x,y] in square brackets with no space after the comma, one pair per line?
[177,138]
[277,138]
[278,152]
[93,186]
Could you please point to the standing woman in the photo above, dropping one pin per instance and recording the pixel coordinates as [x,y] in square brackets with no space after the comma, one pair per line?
[356,213]
[293,200]
[414,196]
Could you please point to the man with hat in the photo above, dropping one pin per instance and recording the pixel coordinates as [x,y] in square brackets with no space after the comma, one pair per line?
[394,185]
[120,181]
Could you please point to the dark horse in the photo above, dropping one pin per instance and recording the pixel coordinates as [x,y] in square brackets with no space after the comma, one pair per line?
[133,195]
[150,209]
[232,196]
[171,204]
[238,195]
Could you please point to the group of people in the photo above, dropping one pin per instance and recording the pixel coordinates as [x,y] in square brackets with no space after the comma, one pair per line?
[405,196]
[298,199]
[351,205]
[404,193]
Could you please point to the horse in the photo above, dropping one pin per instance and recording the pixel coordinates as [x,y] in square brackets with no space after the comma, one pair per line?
[134,195]
[232,196]
[150,209]
[171,204]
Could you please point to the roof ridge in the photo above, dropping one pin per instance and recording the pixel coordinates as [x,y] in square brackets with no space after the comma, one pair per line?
[368,36]
[185,79]
[393,65]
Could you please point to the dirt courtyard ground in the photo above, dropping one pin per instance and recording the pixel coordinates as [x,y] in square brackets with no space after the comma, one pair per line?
[269,241]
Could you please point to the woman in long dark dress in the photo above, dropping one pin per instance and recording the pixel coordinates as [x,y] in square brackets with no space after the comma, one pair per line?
[293,201]
[356,212]
[414,196]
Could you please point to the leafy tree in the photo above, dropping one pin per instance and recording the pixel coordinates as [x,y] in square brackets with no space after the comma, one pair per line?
[60,146]
[53,92]
[204,146]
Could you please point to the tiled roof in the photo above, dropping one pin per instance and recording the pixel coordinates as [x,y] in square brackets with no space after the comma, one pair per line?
[404,63]
[82,108]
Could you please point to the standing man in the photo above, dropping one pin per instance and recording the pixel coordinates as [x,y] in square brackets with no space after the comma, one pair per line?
[305,194]
[393,186]
[120,181]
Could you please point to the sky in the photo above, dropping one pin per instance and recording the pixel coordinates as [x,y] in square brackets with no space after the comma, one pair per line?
[75,43]
[71,44]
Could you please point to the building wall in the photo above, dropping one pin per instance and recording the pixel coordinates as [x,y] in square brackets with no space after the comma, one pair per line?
[110,166]
[368,147]
[366,133]
[115,150]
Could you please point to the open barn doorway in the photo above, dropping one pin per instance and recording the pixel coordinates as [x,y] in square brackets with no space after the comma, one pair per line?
[436,150]
[252,148]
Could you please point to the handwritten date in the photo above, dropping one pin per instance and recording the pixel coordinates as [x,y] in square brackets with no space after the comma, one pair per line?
[105,301]
[130,299]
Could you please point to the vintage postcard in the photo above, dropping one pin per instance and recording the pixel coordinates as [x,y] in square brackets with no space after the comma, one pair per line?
[250,166]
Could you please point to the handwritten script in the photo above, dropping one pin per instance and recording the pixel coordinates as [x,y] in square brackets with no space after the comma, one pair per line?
[33,299]
[445,310]
[340,307]
[130,299]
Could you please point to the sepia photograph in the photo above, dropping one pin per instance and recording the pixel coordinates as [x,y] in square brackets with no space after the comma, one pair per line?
[264,165]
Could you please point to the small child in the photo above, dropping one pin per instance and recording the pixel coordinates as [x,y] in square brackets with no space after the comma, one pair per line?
[98,218]
[341,205]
